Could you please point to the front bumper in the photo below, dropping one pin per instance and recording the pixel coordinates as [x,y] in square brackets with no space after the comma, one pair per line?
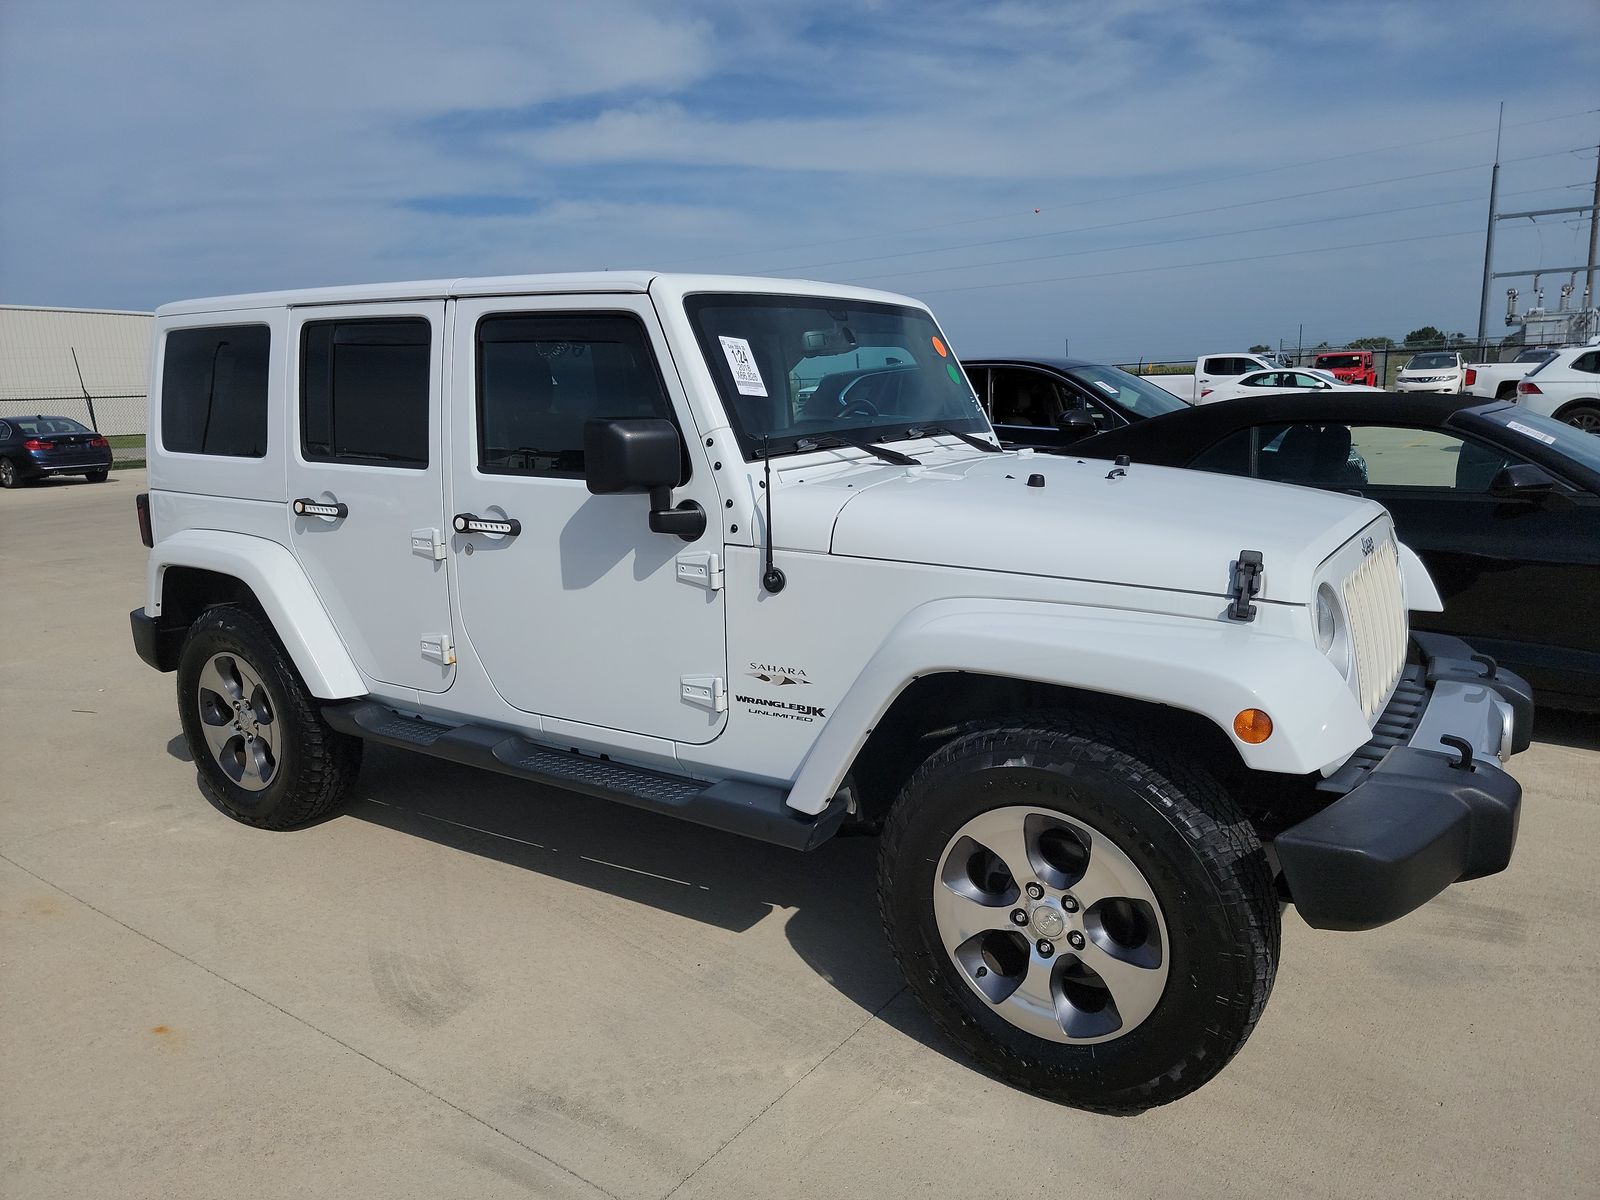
[1451,387]
[1415,813]
[158,645]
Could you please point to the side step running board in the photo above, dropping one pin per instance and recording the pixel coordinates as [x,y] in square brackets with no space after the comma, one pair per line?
[750,809]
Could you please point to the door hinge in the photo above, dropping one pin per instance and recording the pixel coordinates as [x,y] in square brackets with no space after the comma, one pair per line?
[437,647]
[429,543]
[701,568]
[708,691]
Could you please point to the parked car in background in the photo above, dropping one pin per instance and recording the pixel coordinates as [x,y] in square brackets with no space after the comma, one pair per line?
[1213,369]
[1498,381]
[1432,371]
[1257,382]
[1055,401]
[1566,387]
[1348,366]
[39,446]
[1503,506]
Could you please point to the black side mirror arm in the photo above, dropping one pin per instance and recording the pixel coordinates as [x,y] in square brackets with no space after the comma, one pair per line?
[687,520]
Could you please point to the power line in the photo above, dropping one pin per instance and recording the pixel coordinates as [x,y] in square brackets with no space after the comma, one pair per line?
[862,237]
[1215,262]
[1196,237]
[1193,212]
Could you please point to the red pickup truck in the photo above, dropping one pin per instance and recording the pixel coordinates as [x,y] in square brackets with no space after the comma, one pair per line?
[1349,366]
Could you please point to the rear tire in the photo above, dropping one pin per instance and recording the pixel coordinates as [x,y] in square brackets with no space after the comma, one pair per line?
[1161,952]
[97,476]
[10,477]
[1583,416]
[263,752]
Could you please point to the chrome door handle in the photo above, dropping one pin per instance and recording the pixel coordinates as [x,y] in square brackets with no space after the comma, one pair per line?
[307,507]
[472,523]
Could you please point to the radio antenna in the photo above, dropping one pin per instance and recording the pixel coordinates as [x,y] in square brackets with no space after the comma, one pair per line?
[772,578]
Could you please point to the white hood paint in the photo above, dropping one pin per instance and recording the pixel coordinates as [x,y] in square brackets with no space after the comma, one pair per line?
[1153,527]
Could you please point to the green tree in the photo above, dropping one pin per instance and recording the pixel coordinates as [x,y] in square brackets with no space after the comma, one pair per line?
[1372,343]
[1260,349]
[1425,336]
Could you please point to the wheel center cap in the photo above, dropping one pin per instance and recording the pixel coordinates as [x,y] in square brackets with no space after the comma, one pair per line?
[1048,922]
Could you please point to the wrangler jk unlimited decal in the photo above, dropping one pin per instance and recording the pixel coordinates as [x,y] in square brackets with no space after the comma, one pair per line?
[781,708]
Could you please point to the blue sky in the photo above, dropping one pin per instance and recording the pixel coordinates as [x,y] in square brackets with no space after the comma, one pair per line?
[1205,175]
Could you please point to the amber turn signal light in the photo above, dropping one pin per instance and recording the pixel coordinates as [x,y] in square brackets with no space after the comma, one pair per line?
[1253,726]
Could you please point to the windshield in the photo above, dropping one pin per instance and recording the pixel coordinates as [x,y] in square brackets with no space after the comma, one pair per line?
[1126,391]
[794,368]
[1567,440]
[1432,362]
[1338,360]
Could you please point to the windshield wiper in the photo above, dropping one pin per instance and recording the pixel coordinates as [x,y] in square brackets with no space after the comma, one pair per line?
[835,439]
[976,443]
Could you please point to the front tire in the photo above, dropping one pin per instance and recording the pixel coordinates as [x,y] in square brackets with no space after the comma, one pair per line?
[1092,920]
[263,752]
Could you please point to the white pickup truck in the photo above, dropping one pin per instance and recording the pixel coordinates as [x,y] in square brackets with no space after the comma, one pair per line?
[1498,380]
[1213,369]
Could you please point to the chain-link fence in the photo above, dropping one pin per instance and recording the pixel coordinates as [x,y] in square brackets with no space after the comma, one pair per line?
[120,418]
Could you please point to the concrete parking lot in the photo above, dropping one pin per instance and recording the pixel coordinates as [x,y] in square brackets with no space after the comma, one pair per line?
[463,986]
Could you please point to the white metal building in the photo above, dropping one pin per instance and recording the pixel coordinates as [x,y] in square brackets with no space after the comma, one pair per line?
[37,370]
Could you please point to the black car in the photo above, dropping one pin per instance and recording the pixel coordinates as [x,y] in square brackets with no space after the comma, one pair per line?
[34,447]
[1054,402]
[1502,505]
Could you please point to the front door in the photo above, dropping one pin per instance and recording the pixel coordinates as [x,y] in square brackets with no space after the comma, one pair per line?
[582,614]
[367,476]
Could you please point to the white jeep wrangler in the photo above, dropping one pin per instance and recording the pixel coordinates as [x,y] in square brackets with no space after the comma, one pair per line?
[746,552]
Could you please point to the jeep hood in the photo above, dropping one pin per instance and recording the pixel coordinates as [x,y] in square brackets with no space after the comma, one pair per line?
[1154,527]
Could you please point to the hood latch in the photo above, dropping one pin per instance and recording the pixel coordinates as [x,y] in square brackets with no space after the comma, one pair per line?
[1247,570]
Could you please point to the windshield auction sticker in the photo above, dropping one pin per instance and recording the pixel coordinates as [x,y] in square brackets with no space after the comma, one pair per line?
[742,362]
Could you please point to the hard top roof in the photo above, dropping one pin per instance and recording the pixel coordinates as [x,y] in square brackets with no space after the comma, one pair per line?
[580,282]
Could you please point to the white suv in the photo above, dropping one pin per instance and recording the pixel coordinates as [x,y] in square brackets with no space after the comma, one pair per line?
[607,532]
[1566,387]
[1432,371]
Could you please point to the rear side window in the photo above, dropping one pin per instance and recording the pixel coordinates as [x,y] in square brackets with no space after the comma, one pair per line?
[540,378]
[364,392]
[214,391]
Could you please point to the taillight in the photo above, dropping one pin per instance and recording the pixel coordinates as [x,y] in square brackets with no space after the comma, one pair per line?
[1472,377]
[99,443]
[141,504]
[1529,389]
[36,444]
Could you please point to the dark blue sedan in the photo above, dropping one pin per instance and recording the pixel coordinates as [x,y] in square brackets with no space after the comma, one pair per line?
[35,447]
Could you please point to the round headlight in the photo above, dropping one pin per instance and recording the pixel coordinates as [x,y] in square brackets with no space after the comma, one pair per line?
[1327,619]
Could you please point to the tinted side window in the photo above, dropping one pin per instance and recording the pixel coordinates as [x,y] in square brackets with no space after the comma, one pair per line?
[540,378]
[1588,362]
[364,391]
[214,391]
[1230,456]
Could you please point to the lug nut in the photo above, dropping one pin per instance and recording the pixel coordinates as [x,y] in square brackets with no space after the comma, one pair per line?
[1035,892]
[1069,903]
[1018,917]
[1075,940]
[1044,947]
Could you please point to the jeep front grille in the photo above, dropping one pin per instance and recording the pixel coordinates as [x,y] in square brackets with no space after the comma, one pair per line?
[1375,603]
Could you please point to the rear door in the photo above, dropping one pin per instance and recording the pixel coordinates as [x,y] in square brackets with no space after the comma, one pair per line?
[366,482]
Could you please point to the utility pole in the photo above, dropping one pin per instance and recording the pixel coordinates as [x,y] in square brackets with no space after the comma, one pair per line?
[1488,233]
[1589,298]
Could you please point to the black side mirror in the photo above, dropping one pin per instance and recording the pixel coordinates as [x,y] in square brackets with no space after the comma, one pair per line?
[1521,481]
[641,455]
[1076,423]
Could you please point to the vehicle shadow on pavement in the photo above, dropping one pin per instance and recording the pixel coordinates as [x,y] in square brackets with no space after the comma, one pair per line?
[702,874]
[1580,731]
